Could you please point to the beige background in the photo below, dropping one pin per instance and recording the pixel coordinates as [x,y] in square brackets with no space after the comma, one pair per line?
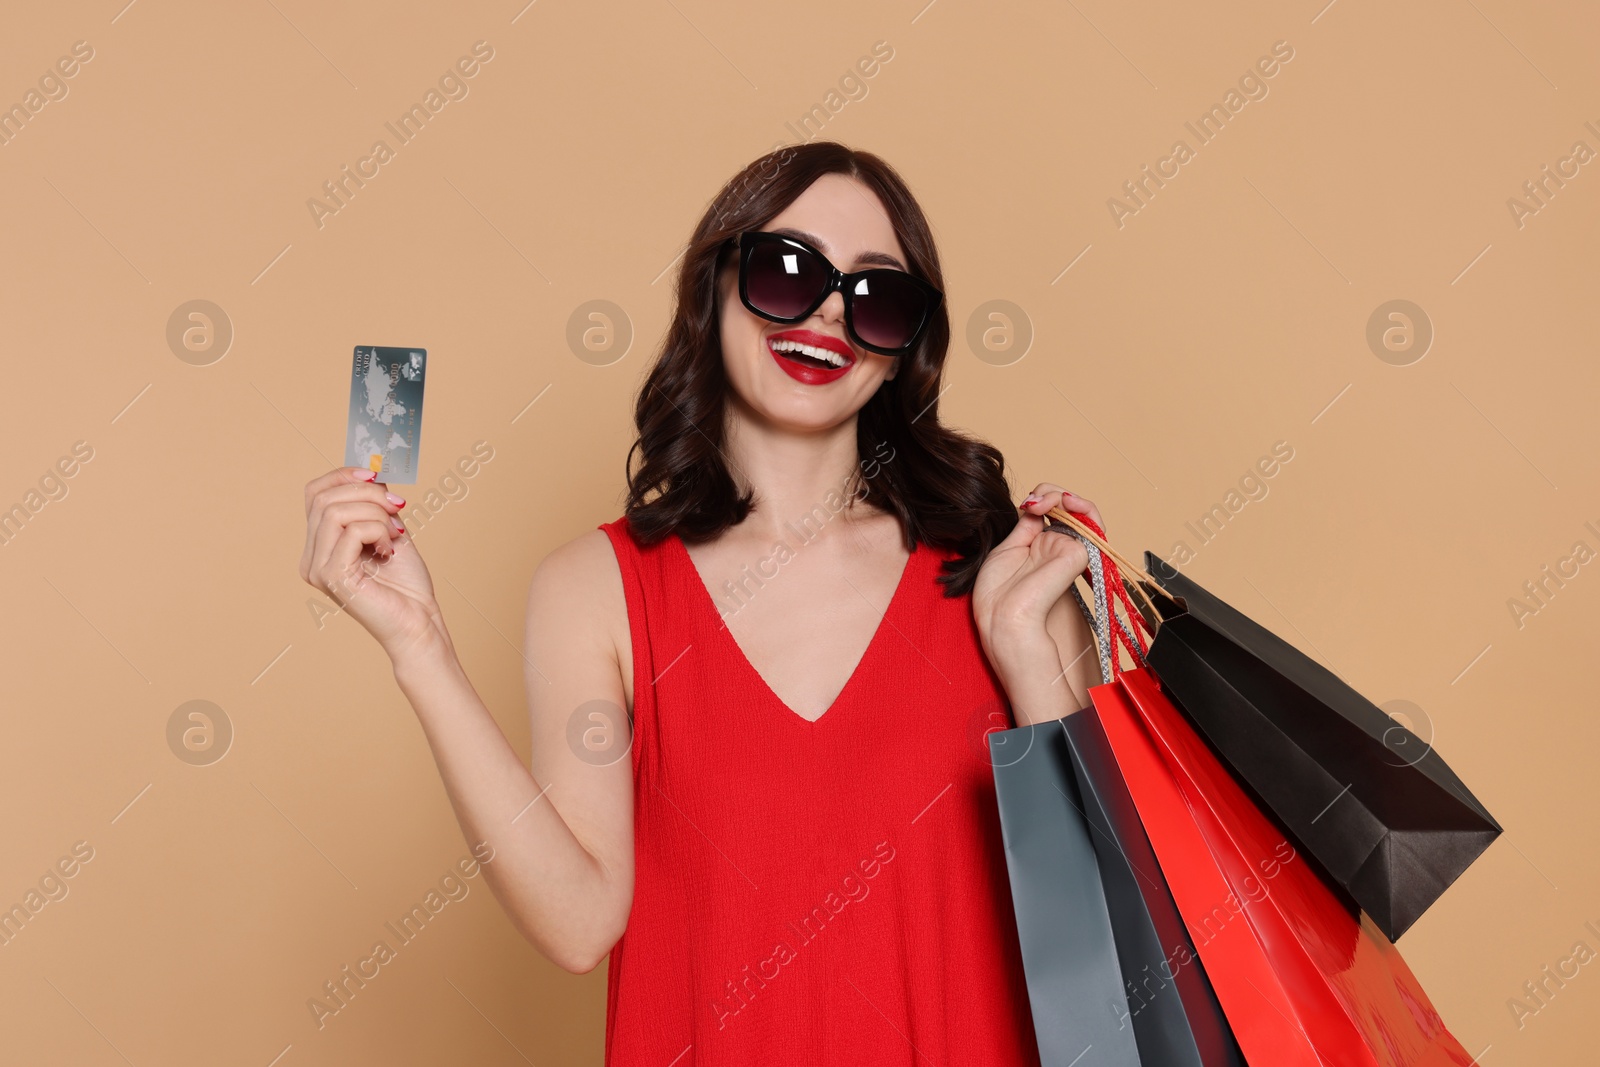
[1227,314]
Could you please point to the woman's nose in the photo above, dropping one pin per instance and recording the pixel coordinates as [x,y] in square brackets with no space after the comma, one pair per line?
[832,309]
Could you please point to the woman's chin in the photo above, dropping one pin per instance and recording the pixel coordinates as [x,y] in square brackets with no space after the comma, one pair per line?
[801,409]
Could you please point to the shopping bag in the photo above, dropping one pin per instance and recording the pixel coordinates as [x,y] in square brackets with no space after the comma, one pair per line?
[1175,1014]
[1302,979]
[1069,954]
[1384,816]
[1111,973]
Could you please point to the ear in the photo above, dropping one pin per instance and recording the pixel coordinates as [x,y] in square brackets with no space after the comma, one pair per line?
[893,370]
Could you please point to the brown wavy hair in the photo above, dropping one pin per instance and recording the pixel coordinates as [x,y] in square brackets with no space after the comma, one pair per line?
[946,488]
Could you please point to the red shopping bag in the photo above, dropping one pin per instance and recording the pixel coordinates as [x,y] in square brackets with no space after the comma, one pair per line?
[1301,979]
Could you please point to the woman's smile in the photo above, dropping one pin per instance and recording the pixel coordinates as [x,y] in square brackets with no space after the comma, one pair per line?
[810,357]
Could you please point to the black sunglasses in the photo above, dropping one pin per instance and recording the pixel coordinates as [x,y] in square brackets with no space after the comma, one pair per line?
[784,279]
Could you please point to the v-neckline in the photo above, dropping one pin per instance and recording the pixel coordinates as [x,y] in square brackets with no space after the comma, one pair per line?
[738,653]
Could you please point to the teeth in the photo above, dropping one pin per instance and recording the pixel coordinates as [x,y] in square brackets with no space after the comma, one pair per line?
[825,354]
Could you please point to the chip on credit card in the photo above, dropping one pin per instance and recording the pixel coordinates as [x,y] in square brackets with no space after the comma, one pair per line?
[386,412]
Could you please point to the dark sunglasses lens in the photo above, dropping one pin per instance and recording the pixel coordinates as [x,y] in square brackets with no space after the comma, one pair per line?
[783,280]
[888,308]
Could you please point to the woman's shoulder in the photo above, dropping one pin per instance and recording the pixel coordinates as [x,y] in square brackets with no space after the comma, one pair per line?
[587,559]
[581,578]
[602,560]
[577,592]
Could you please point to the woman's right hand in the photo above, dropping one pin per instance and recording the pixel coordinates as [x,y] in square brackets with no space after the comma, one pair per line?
[357,552]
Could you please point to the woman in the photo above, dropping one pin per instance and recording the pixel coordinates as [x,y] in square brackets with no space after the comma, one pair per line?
[816,605]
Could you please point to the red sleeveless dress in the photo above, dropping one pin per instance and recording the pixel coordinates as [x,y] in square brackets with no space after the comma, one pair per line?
[813,893]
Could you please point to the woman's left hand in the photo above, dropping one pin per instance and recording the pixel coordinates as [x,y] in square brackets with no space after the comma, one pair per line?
[1025,575]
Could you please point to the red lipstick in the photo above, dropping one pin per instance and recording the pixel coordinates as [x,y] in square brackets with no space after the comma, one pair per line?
[808,368]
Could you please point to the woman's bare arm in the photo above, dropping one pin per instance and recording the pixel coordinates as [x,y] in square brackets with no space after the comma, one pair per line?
[562,831]
[1048,678]
[1075,648]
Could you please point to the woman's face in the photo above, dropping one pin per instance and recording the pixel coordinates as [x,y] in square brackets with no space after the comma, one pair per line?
[846,221]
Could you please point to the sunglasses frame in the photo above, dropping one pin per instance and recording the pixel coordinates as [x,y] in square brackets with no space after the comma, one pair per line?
[749,240]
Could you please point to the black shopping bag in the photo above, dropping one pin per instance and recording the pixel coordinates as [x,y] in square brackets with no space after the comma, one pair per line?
[1113,978]
[1377,807]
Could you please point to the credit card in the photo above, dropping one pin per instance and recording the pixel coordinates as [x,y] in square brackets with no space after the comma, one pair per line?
[386,412]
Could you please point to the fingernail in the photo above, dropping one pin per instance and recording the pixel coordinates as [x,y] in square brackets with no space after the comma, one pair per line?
[1032,498]
[397,501]
[397,525]
[367,475]
[1066,492]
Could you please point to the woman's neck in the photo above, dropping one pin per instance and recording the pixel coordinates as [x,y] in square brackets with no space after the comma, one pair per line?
[793,474]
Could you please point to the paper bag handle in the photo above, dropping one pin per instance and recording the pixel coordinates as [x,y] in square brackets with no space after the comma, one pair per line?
[1108,589]
[1142,580]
